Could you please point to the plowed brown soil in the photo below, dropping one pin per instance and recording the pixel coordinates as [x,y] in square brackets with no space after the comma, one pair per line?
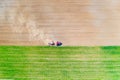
[74,22]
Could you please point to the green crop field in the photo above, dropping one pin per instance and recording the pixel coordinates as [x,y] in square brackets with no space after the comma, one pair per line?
[59,63]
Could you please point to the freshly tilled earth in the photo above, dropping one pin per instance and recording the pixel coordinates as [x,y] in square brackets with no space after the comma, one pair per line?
[73,22]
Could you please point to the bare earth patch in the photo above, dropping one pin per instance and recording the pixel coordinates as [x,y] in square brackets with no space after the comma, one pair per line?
[74,22]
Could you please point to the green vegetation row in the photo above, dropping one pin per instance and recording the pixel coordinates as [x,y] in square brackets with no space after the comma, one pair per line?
[60,63]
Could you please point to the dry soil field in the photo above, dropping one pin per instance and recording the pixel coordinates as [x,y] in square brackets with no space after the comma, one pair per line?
[74,22]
